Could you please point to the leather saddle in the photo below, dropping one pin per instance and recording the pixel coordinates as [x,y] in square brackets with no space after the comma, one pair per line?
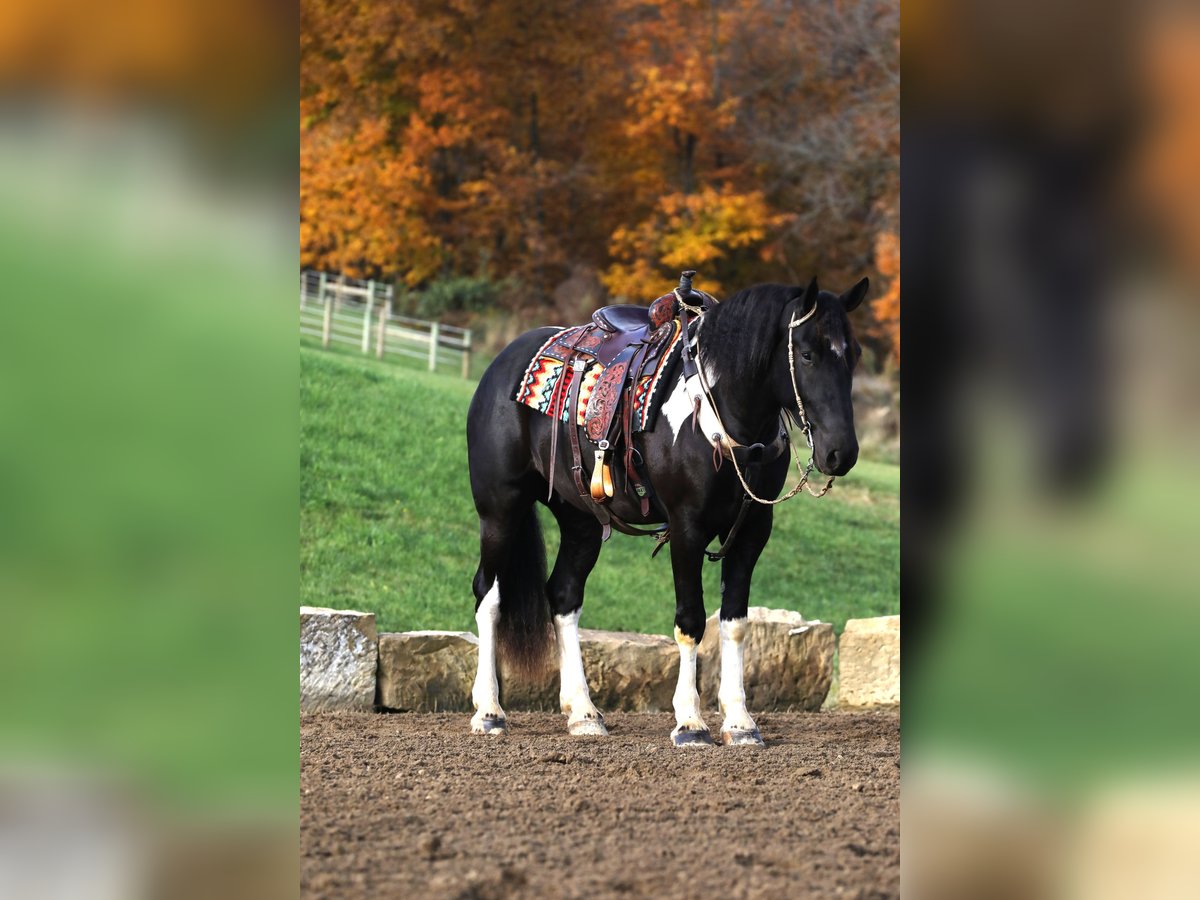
[627,341]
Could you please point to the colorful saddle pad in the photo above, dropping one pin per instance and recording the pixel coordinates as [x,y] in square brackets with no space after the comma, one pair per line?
[538,386]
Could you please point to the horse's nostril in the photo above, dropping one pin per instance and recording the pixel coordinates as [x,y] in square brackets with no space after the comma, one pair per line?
[831,460]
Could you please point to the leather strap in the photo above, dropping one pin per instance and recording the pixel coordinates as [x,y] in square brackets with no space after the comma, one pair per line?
[573,429]
[737,524]
[555,425]
[689,364]
[631,476]
[625,528]
[572,376]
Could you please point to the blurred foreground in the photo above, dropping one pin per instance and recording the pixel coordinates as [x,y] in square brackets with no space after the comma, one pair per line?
[147,477]
[1050,582]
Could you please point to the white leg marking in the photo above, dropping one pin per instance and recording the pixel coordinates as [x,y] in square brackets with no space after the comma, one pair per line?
[486,692]
[573,695]
[687,699]
[732,694]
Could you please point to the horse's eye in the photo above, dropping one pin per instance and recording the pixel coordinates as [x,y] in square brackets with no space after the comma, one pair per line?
[806,355]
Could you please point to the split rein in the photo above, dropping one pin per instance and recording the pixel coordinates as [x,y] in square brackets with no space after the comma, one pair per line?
[806,471]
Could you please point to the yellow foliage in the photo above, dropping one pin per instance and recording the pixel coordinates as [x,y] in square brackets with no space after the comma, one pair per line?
[701,230]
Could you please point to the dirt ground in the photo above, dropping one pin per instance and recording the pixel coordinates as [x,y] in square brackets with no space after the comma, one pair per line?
[411,805]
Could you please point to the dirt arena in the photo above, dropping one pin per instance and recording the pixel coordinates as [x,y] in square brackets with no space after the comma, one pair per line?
[409,805]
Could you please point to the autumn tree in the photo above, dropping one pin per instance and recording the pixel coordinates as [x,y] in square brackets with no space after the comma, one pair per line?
[752,140]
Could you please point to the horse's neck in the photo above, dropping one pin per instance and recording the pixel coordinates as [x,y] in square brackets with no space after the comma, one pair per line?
[747,407]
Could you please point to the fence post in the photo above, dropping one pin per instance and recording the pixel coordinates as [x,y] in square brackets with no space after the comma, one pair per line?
[434,329]
[327,324]
[366,340]
[381,339]
[340,297]
[466,354]
[321,289]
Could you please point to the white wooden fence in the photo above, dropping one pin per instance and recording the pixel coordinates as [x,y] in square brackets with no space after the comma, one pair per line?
[344,310]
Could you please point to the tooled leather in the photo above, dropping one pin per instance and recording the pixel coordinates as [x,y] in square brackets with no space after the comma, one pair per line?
[662,311]
[564,342]
[605,399]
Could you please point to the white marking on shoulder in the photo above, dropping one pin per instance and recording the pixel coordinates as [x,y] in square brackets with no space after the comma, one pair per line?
[678,407]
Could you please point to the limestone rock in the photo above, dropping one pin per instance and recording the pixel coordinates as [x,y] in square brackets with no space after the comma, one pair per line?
[427,671]
[869,655]
[338,658]
[788,661]
[631,672]
[625,671]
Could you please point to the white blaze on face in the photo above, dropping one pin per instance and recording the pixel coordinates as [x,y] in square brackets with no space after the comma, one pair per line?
[731,693]
[687,699]
[486,692]
[838,348]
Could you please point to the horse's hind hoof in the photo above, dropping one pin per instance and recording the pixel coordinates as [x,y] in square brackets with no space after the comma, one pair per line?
[691,737]
[496,725]
[587,728]
[742,738]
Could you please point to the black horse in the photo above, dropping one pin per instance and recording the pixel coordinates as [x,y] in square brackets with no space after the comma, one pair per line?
[754,351]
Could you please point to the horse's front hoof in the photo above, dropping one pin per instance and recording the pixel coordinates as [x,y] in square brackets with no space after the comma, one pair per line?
[742,738]
[691,737]
[587,728]
[496,725]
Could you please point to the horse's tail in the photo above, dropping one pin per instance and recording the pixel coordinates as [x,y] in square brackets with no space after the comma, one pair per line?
[524,633]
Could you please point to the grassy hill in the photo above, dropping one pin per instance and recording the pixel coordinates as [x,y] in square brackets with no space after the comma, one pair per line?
[387,523]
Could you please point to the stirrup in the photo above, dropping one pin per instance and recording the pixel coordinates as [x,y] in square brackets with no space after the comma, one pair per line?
[602,483]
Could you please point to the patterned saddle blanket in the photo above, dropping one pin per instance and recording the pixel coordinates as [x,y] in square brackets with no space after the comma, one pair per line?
[606,378]
[546,384]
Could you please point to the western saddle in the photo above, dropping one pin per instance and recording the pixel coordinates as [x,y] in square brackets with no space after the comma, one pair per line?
[628,342]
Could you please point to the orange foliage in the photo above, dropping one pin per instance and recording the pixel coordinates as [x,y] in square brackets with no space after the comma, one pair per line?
[887,307]
[635,138]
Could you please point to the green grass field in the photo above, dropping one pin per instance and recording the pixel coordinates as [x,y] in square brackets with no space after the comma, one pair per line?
[387,523]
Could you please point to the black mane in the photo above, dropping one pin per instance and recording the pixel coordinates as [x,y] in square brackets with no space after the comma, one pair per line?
[739,334]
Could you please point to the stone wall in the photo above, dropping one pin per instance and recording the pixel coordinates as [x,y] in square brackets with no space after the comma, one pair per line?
[869,663]
[788,662]
[338,659]
[788,665]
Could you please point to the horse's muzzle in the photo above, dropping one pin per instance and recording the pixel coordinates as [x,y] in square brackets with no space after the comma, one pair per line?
[838,460]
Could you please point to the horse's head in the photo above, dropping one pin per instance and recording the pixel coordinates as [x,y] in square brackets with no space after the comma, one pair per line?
[824,353]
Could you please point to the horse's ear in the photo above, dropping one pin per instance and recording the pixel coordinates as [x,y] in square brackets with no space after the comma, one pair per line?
[854,296]
[808,299]
[801,303]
